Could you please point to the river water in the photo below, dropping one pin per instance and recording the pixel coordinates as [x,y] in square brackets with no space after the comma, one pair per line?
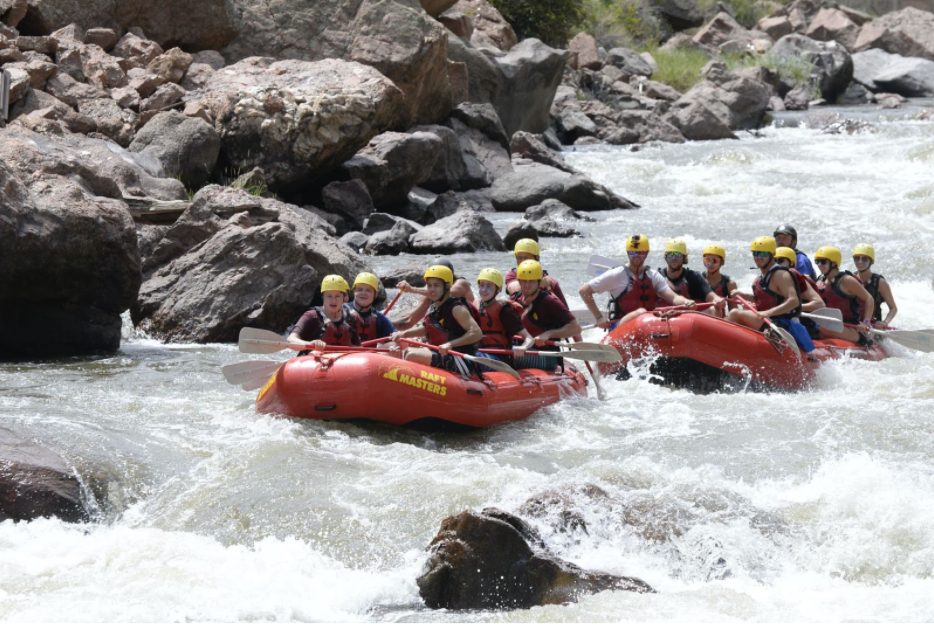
[815,506]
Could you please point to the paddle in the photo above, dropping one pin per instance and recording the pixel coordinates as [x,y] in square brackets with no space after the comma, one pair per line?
[392,302]
[606,354]
[599,264]
[787,338]
[250,375]
[921,340]
[262,341]
[492,364]
[827,318]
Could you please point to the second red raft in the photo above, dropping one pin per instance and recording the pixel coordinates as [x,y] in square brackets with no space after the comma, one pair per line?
[706,353]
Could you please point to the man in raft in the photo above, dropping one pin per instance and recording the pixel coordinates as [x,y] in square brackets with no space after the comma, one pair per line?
[449,324]
[634,288]
[786,235]
[526,249]
[807,288]
[684,281]
[544,318]
[460,288]
[330,324]
[864,255]
[499,318]
[371,323]
[775,294]
[841,290]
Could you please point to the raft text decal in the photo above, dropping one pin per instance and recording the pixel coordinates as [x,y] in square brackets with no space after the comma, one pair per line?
[428,381]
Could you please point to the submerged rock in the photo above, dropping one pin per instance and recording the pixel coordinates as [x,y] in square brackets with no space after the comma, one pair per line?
[494,560]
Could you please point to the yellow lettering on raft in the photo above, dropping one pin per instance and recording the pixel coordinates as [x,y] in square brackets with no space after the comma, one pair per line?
[416,382]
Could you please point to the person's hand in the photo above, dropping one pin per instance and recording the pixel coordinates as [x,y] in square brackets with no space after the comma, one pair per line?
[864,327]
[519,351]
[444,348]
[317,345]
[403,286]
[688,302]
[602,323]
[543,339]
[395,337]
[720,306]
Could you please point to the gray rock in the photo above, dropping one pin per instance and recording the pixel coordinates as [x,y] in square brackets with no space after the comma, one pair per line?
[532,183]
[485,158]
[533,147]
[449,203]
[833,66]
[554,210]
[482,117]
[110,119]
[495,560]
[171,65]
[379,221]
[106,38]
[908,32]
[573,125]
[531,72]
[267,258]
[544,227]
[391,242]
[881,71]
[679,14]
[584,54]
[186,147]
[831,24]
[264,118]
[354,240]
[629,62]
[349,199]
[491,30]
[698,122]
[36,482]
[465,231]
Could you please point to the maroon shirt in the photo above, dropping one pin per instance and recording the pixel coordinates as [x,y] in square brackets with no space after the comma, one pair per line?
[547,312]
[314,325]
[556,287]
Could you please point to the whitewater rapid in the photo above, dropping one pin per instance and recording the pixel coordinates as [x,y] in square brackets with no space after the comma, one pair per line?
[815,506]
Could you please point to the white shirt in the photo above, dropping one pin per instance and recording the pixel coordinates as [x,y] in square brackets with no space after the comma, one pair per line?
[617,280]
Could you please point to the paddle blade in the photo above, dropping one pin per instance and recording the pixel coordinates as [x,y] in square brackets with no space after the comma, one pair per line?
[261,341]
[494,364]
[237,374]
[922,341]
[826,318]
[610,356]
[599,264]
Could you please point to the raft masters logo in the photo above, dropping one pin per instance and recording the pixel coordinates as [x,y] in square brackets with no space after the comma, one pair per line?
[428,381]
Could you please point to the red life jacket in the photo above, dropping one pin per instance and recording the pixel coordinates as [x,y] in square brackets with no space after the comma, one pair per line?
[679,285]
[766,298]
[872,286]
[722,288]
[441,325]
[836,298]
[367,327]
[491,323]
[340,333]
[639,293]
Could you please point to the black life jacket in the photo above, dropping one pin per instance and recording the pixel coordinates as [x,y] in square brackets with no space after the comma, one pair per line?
[722,288]
[873,288]
[678,286]
[441,326]
[766,298]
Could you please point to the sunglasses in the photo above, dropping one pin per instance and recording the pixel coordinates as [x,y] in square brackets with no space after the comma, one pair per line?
[673,255]
[761,253]
[711,261]
[633,253]
[822,262]
[861,259]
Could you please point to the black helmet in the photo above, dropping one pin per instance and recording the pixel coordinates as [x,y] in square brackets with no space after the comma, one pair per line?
[787,229]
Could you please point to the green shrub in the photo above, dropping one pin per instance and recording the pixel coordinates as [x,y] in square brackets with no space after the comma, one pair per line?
[552,21]
[619,23]
[793,71]
[679,67]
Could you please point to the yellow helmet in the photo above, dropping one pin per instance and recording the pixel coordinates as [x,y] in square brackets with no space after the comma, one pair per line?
[715,249]
[783,252]
[676,246]
[529,270]
[367,278]
[865,249]
[492,275]
[440,272]
[637,244]
[763,244]
[526,245]
[831,253]
[334,283]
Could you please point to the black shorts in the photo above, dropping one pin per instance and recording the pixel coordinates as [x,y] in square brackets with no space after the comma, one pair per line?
[453,363]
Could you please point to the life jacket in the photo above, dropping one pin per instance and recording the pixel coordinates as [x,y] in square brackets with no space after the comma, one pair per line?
[722,288]
[367,323]
[835,298]
[639,293]
[340,333]
[873,288]
[679,285]
[491,323]
[441,326]
[767,298]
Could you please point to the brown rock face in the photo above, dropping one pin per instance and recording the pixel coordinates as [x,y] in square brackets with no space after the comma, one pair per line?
[495,560]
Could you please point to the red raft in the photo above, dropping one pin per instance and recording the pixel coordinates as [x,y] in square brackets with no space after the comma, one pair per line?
[705,353]
[379,387]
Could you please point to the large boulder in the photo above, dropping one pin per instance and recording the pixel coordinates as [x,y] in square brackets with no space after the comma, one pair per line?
[530,75]
[297,119]
[532,183]
[490,28]
[186,147]
[206,24]
[679,14]
[465,231]
[495,560]
[266,257]
[396,37]
[831,24]
[881,71]
[832,65]
[909,32]
[738,101]
[35,481]
[63,220]
[392,163]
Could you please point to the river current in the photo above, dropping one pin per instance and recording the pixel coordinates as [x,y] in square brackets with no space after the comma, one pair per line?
[814,506]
